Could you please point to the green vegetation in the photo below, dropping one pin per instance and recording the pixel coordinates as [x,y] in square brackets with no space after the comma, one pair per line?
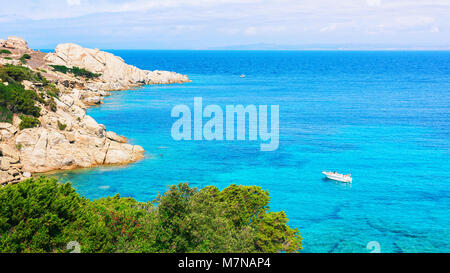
[28,122]
[14,98]
[41,215]
[76,71]
[24,58]
[5,51]
[7,58]
[61,68]
[15,73]
[61,126]
[51,103]
[51,90]
[6,115]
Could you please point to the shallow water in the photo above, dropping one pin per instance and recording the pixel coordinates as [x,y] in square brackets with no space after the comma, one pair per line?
[382,116]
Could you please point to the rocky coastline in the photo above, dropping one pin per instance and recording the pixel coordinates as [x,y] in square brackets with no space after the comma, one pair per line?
[67,138]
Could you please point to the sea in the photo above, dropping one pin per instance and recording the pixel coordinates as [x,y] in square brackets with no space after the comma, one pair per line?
[383,116]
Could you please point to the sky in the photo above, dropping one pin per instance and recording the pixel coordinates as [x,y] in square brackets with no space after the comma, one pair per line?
[229,24]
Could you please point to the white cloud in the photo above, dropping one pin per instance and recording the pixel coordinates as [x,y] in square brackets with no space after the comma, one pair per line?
[262,30]
[414,21]
[73,2]
[434,29]
[373,3]
[234,21]
[331,27]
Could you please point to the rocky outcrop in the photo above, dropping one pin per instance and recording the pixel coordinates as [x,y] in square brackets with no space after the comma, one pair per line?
[67,137]
[14,42]
[115,73]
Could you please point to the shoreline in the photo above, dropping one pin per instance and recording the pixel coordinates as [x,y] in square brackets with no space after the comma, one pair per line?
[67,82]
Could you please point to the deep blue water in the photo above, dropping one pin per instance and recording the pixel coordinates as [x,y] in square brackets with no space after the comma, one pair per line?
[382,116]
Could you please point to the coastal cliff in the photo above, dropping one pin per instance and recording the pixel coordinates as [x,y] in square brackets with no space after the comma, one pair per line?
[56,134]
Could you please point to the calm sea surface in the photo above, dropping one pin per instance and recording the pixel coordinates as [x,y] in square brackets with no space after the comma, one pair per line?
[384,117]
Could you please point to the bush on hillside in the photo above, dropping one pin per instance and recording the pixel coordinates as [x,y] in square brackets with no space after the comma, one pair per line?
[41,215]
[15,73]
[76,71]
[28,122]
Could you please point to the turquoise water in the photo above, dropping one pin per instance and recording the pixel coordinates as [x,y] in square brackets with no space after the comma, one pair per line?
[382,116]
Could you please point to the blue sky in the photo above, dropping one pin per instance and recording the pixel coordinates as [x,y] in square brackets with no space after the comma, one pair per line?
[207,24]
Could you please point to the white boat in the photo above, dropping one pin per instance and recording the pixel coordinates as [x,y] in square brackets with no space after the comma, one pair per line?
[346,178]
[242,76]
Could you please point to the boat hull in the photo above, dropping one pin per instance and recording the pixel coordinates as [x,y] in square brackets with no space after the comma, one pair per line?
[336,177]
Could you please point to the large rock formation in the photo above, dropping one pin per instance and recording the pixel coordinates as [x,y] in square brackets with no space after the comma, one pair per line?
[68,138]
[115,73]
[14,42]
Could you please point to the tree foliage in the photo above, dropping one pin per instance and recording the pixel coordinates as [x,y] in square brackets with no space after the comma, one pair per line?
[76,71]
[14,98]
[42,215]
[16,73]
[28,122]
[5,51]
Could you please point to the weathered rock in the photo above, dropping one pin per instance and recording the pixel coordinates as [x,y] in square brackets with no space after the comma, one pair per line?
[8,126]
[67,100]
[7,130]
[9,151]
[93,126]
[114,71]
[71,137]
[27,84]
[5,177]
[115,137]
[119,152]
[28,137]
[26,174]
[16,42]
[92,100]
[4,163]
[138,150]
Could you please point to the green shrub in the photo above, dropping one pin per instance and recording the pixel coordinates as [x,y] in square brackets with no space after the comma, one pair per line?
[6,115]
[28,122]
[84,73]
[14,73]
[61,126]
[60,68]
[76,71]
[5,51]
[41,215]
[18,100]
[52,90]
[24,58]
[10,73]
[23,101]
[52,104]
[7,58]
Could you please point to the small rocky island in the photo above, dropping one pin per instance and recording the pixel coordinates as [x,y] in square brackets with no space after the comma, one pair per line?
[43,101]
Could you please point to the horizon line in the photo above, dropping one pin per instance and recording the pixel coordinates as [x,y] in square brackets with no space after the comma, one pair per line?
[306,49]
